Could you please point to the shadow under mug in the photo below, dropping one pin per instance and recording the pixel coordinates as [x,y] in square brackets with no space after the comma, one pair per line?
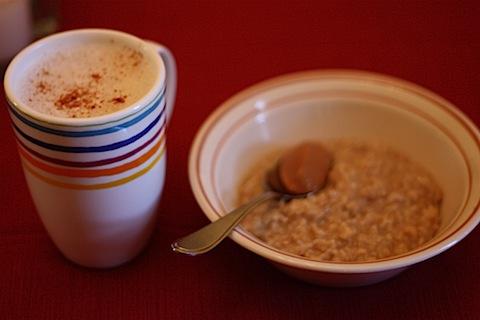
[96,182]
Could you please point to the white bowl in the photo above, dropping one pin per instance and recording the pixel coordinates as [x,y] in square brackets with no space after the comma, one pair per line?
[332,104]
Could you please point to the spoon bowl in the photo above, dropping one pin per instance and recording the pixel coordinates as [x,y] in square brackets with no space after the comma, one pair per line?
[324,105]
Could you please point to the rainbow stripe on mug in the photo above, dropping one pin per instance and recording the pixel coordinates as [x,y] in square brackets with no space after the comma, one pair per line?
[95,156]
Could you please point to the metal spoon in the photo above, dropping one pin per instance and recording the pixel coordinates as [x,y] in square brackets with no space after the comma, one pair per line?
[299,172]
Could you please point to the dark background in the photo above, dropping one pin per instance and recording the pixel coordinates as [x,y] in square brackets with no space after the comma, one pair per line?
[222,47]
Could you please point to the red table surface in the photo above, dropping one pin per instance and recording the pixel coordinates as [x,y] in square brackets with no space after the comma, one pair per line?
[222,47]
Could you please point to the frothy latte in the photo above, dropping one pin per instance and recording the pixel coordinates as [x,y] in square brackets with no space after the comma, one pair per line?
[87,79]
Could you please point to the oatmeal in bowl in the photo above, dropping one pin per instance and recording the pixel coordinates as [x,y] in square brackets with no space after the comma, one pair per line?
[404,185]
[376,204]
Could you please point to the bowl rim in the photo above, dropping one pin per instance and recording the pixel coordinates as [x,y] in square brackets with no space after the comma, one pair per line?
[278,256]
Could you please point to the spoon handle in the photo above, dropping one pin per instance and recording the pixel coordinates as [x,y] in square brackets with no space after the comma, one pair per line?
[210,236]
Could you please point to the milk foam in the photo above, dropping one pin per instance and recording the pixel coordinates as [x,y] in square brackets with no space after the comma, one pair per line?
[87,79]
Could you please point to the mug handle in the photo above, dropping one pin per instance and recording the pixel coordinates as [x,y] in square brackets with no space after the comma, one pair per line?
[171,76]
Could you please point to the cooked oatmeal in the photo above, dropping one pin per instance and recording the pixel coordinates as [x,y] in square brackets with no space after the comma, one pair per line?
[376,204]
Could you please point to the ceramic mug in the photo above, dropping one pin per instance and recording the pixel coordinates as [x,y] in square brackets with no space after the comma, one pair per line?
[96,182]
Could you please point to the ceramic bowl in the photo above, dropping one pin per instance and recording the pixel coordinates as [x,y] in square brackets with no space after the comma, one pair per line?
[323,105]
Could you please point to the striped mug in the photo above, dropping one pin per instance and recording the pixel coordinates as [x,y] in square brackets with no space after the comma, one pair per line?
[95,181]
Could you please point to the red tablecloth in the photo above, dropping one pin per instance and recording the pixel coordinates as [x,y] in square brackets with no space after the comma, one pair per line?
[222,47]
